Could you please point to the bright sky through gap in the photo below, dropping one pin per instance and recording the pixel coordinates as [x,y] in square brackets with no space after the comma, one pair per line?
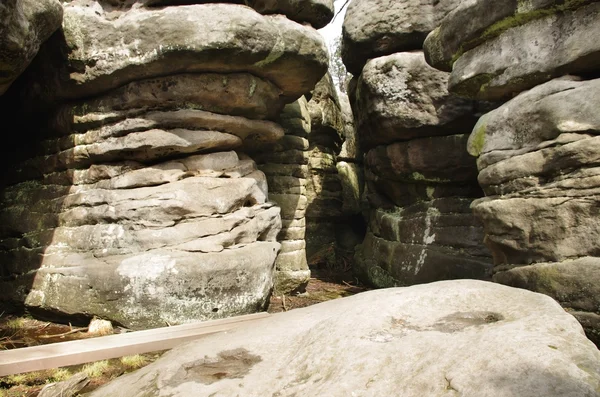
[331,31]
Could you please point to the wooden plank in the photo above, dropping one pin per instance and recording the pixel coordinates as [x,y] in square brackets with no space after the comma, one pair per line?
[82,351]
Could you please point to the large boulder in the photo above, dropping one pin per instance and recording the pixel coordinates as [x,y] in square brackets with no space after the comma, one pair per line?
[436,339]
[399,97]
[538,163]
[26,24]
[103,49]
[496,49]
[137,200]
[373,28]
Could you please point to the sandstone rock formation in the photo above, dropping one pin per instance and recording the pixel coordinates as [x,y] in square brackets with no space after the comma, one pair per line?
[537,153]
[317,194]
[140,203]
[25,25]
[373,28]
[507,47]
[426,340]
[420,179]
[335,182]
[285,164]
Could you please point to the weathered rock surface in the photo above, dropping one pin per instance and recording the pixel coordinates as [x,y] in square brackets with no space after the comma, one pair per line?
[138,201]
[316,12]
[399,97]
[374,28]
[420,178]
[538,162]
[435,339]
[102,51]
[285,164]
[26,24]
[497,49]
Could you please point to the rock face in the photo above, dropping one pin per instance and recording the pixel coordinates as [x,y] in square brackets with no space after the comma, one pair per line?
[482,52]
[285,164]
[139,203]
[373,28]
[316,12]
[537,153]
[420,178]
[317,193]
[335,182]
[427,340]
[26,24]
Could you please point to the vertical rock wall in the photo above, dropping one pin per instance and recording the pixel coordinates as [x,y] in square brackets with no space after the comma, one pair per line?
[538,153]
[420,180]
[137,201]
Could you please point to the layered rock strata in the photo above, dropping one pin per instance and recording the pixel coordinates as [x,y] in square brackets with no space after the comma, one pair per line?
[285,164]
[537,153]
[420,180]
[335,181]
[140,204]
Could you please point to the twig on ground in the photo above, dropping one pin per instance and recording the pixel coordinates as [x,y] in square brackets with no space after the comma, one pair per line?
[285,309]
[72,331]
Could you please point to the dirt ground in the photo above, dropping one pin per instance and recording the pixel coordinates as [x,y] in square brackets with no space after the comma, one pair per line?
[17,332]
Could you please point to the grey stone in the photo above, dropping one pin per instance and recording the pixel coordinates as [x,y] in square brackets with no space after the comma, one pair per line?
[374,28]
[26,24]
[445,335]
[316,12]
[400,97]
[224,38]
[558,44]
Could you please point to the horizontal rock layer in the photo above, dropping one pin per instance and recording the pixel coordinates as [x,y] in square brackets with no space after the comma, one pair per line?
[105,50]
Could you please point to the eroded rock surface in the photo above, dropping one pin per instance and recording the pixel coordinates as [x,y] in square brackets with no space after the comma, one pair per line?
[538,161]
[420,178]
[373,28]
[537,153]
[434,339]
[498,48]
[138,202]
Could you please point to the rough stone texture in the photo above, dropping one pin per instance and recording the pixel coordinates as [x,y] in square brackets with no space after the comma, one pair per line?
[474,21]
[525,49]
[400,97]
[332,194]
[538,162]
[374,28]
[420,179]
[316,12]
[134,198]
[418,243]
[26,24]
[285,164]
[101,51]
[427,340]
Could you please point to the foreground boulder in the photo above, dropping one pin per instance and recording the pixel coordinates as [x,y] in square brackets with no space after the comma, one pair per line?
[428,340]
